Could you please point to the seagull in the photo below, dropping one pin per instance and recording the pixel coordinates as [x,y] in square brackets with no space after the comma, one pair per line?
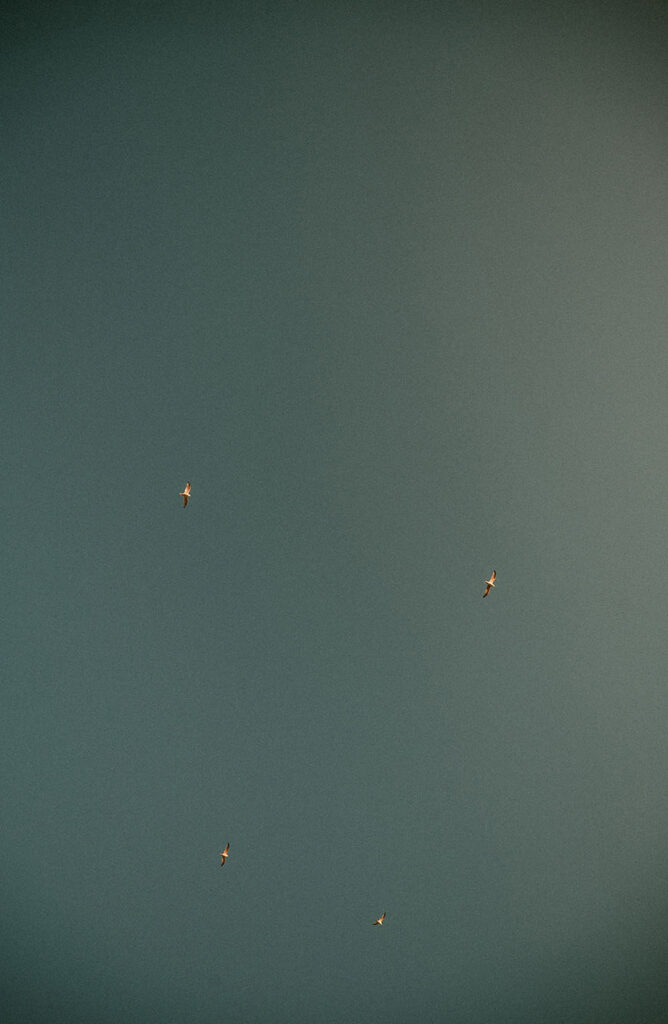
[380,919]
[489,583]
[224,855]
[185,494]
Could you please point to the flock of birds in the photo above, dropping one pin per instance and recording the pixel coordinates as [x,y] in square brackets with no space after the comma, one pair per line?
[489,584]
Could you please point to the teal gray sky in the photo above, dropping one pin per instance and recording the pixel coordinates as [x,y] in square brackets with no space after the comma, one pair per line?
[387,283]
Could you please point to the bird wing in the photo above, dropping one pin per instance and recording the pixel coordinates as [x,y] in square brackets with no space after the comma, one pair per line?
[188,488]
[185,500]
[227,848]
[487,590]
[383,917]
[493,576]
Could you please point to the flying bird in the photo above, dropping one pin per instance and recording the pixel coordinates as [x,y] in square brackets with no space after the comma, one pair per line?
[224,855]
[185,494]
[380,919]
[489,583]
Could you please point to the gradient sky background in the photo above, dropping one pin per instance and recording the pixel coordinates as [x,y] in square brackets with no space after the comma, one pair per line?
[387,283]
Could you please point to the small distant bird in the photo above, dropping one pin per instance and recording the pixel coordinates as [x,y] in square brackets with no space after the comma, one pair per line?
[224,855]
[380,919]
[489,583]
[185,494]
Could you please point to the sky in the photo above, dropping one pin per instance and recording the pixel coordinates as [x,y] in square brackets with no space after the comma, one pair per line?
[387,283]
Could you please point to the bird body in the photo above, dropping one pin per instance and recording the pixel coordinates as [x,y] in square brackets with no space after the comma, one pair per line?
[489,583]
[185,494]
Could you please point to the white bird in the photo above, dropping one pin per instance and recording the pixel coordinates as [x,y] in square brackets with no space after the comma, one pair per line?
[380,919]
[489,583]
[224,855]
[185,494]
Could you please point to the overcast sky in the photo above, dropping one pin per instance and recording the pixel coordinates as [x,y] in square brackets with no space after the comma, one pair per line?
[387,283]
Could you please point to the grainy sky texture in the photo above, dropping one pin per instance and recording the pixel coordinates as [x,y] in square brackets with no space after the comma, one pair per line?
[387,283]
